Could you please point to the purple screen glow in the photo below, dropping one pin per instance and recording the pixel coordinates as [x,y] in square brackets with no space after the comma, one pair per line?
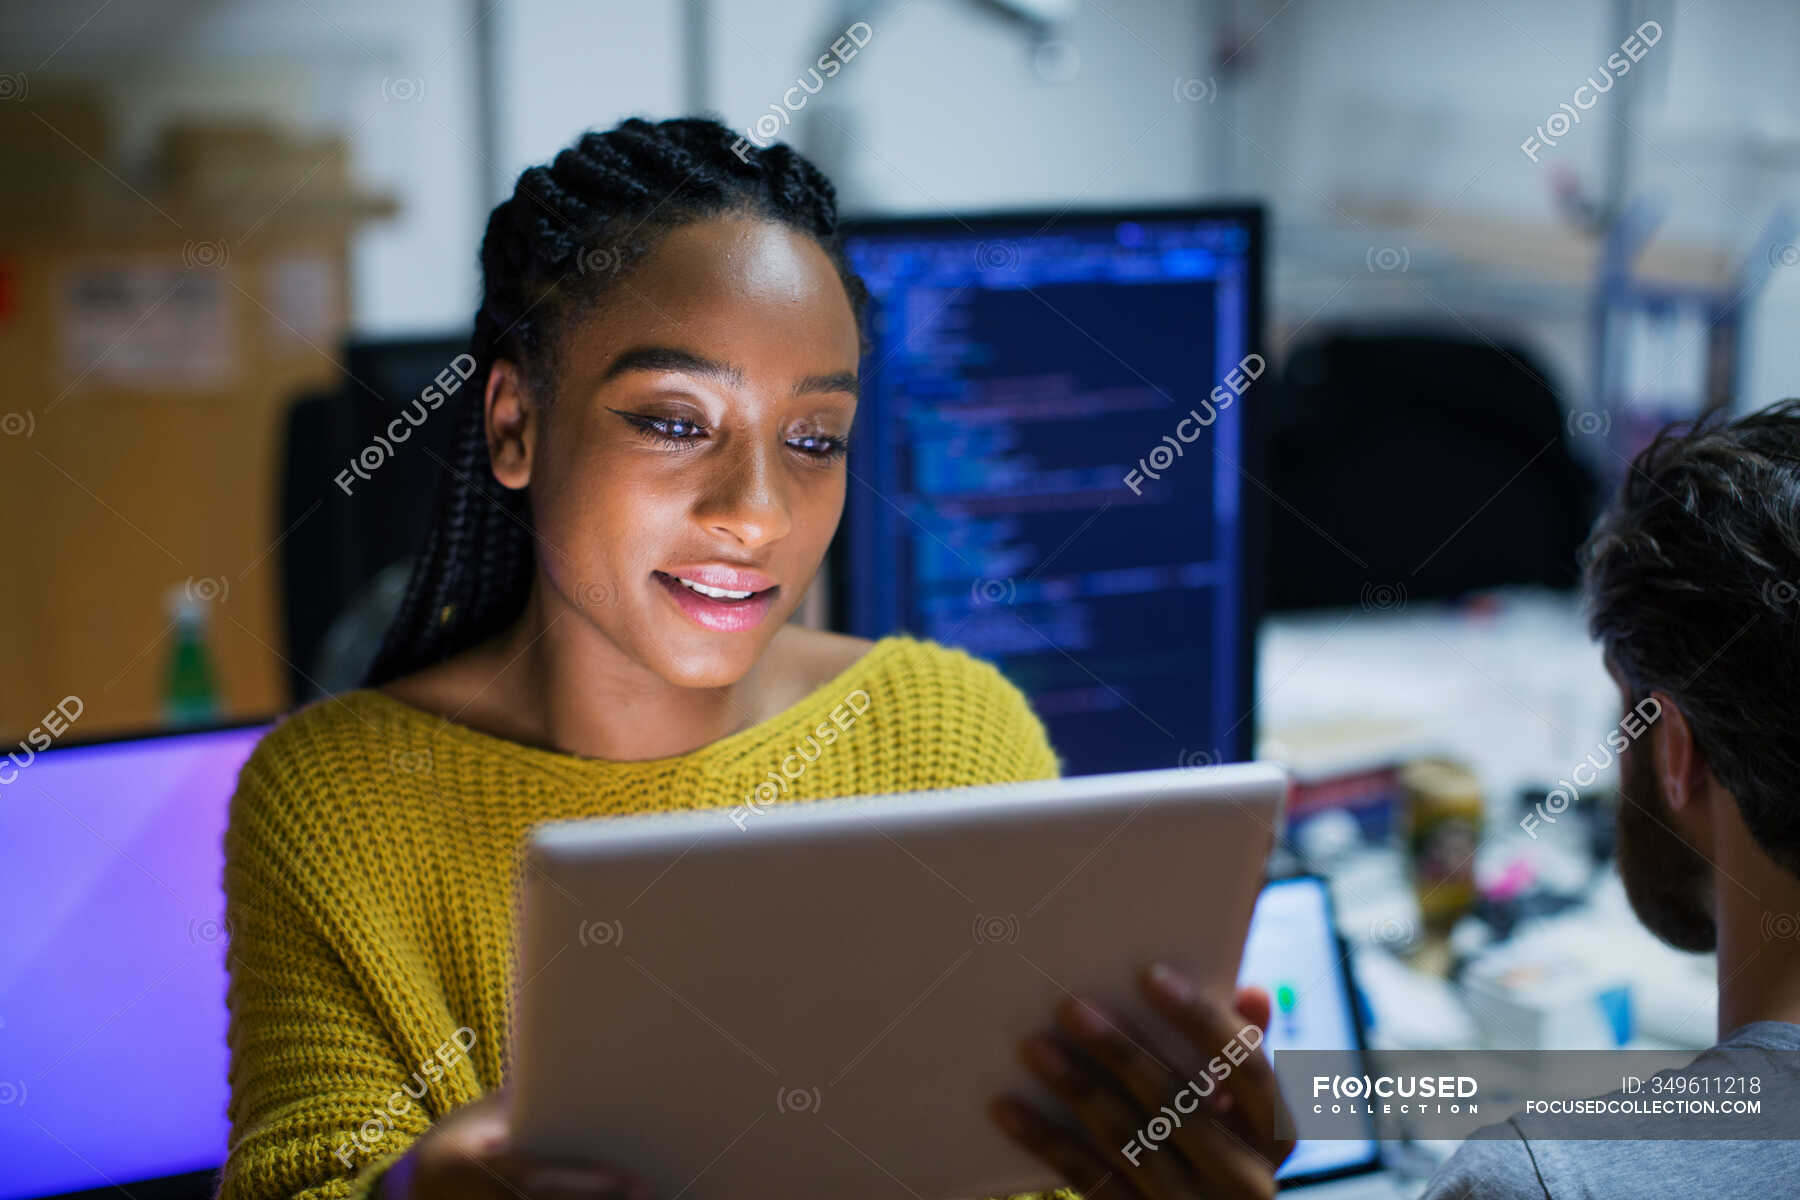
[112,962]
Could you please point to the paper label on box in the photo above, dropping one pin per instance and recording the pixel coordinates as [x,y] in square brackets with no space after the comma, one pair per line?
[302,291]
[145,325]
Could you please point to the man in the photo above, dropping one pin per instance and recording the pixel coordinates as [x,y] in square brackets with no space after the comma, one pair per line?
[1693,587]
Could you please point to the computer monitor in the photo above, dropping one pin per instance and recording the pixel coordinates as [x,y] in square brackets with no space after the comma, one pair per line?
[1049,468]
[1293,952]
[112,964]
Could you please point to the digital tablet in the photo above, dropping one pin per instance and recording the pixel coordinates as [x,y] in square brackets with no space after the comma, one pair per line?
[820,998]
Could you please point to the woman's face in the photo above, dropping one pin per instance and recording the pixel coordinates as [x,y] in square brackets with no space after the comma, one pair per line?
[695,432]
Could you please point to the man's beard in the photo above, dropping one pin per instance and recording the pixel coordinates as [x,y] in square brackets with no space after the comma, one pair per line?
[1666,880]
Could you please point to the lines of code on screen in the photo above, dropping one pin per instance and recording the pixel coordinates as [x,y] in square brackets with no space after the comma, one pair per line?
[1008,495]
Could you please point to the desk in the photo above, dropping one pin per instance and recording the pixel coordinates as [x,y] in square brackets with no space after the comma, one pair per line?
[1516,690]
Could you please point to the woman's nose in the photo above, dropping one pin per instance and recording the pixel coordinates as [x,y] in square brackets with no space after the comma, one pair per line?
[748,501]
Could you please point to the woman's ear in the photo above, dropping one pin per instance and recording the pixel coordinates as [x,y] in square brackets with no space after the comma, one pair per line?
[513,421]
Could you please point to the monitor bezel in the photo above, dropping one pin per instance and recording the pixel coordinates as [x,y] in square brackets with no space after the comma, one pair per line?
[156,733]
[189,1185]
[1252,506]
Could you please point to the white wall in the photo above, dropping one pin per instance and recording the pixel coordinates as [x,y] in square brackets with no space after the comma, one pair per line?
[1336,110]
[945,106]
[1419,108]
[566,67]
[1383,118]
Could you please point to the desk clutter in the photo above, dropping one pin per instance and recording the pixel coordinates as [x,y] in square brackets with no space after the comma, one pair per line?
[1463,816]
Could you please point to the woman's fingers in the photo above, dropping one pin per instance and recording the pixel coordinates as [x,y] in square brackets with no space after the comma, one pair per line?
[1120,1049]
[1141,1125]
[1179,1137]
[506,1176]
[579,1183]
[1062,1149]
[1252,1004]
[1103,1104]
[468,1155]
[1224,1038]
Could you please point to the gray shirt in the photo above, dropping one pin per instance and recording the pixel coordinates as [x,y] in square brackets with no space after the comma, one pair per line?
[1518,1167]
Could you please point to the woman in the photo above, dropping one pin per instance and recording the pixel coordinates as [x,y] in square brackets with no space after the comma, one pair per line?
[643,483]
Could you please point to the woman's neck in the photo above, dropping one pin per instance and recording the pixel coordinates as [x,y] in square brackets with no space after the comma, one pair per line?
[562,683]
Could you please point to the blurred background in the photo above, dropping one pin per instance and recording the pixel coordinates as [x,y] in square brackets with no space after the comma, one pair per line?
[1452,261]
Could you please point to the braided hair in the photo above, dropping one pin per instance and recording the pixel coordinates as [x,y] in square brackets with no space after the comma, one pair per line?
[572,230]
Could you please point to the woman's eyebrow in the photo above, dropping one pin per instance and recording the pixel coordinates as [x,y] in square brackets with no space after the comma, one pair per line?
[673,358]
[832,381]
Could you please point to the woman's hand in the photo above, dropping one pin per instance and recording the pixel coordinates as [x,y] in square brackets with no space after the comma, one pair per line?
[468,1155]
[1163,1131]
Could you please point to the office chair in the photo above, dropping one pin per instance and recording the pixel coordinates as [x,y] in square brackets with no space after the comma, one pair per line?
[343,551]
[1411,466]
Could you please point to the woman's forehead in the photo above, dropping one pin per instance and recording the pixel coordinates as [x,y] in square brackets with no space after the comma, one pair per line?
[750,260]
[754,294]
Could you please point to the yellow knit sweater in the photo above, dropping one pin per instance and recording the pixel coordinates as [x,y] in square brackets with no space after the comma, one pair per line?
[369,867]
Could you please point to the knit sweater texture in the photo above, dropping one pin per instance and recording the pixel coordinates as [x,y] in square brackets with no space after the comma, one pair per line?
[370,868]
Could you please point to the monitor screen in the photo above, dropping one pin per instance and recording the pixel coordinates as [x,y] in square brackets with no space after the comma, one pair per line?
[1292,953]
[112,961]
[1048,467]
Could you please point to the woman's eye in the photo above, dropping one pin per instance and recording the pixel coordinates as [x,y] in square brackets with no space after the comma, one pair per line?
[662,429]
[673,428]
[819,446]
[684,432]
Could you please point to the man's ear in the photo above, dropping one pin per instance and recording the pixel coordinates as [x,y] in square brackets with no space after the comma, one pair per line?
[513,422]
[1686,778]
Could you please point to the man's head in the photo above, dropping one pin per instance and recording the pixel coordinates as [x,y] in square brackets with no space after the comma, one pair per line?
[1693,590]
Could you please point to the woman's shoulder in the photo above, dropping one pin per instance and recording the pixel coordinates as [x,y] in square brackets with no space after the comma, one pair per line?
[806,660]
[962,705]
[943,675]
[345,745]
[352,724]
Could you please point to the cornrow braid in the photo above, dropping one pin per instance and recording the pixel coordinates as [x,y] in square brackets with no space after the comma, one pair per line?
[572,230]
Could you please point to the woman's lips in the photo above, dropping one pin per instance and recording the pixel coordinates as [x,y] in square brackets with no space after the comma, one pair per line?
[723,576]
[720,616]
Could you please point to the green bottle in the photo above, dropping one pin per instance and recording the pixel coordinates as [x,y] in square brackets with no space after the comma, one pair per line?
[190,692]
